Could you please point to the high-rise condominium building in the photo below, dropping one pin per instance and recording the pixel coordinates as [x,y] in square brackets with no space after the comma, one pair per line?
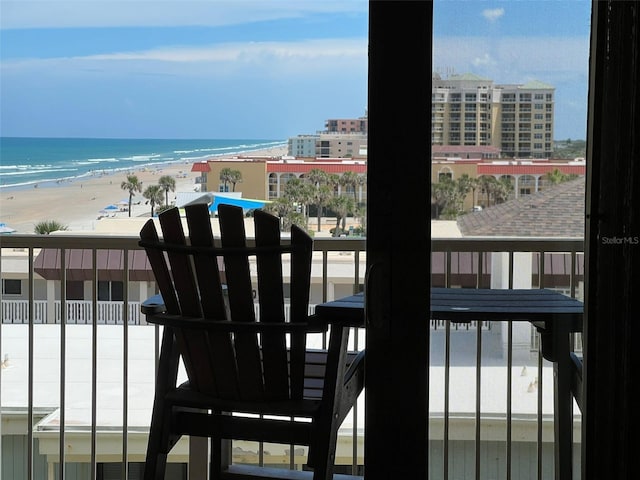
[471,110]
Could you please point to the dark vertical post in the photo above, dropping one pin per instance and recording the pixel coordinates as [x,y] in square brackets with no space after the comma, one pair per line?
[398,239]
[611,420]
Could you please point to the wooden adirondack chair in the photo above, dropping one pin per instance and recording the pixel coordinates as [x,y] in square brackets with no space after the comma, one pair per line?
[237,363]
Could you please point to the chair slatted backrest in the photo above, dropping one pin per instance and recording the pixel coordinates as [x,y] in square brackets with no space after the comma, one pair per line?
[240,365]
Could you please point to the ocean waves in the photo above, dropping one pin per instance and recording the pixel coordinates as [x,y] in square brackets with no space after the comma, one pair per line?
[33,161]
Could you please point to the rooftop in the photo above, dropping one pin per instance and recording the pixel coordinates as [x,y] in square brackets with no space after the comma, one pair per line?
[536,85]
[555,212]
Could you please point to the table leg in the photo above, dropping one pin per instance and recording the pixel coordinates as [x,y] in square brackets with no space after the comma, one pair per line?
[563,403]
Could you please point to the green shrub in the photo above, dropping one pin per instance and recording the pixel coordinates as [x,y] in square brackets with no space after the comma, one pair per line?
[47,226]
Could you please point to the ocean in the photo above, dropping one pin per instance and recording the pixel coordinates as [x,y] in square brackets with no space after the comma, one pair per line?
[30,161]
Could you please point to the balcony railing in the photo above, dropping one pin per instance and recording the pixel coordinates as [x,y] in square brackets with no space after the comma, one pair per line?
[76,395]
[78,312]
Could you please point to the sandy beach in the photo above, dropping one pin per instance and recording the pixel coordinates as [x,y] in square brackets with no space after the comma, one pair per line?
[77,204]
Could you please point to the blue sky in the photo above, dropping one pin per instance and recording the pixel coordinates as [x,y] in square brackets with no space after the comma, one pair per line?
[255,69]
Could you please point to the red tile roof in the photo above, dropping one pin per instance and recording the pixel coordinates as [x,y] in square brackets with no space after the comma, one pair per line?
[201,167]
[305,167]
[464,148]
[537,169]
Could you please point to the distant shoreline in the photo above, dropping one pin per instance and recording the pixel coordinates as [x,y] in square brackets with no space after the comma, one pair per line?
[103,173]
[47,165]
[77,203]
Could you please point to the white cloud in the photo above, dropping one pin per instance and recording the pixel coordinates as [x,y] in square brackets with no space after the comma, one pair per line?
[163,13]
[245,52]
[308,57]
[484,60]
[493,14]
[514,59]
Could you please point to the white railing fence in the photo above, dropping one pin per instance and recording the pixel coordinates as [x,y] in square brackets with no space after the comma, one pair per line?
[351,257]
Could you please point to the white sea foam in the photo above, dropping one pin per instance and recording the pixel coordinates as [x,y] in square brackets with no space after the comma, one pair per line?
[142,158]
[29,172]
[100,160]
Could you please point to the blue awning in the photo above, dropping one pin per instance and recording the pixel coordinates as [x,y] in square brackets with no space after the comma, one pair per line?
[245,203]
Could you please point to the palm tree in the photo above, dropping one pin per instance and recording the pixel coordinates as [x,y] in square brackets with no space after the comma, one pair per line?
[299,192]
[167,182]
[556,176]
[226,174]
[285,209]
[132,185]
[487,183]
[343,205]
[321,191]
[467,184]
[503,189]
[235,176]
[350,179]
[155,196]
[444,193]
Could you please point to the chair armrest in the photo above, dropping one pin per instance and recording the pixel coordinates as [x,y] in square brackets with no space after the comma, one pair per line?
[212,325]
[153,305]
[336,320]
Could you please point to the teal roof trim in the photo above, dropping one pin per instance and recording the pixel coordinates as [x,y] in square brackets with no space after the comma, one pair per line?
[537,85]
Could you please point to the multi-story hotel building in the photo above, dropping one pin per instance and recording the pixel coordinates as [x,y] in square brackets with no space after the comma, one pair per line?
[302,146]
[329,145]
[471,110]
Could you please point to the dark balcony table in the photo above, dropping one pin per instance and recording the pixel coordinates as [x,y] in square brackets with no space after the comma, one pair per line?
[553,314]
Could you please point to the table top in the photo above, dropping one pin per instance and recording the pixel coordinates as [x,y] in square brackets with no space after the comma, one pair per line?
[465,305]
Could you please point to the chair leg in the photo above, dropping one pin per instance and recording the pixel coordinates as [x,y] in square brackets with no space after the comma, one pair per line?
[159,443]
[160,438]
[324,459]
[322,452]
[155,466]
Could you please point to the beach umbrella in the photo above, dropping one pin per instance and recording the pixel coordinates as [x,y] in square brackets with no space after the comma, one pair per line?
[6,229]
[109,209]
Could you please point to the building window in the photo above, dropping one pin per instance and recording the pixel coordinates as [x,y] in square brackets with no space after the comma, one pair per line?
[75,290]
[444,174]
[110,291]
[11,286]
